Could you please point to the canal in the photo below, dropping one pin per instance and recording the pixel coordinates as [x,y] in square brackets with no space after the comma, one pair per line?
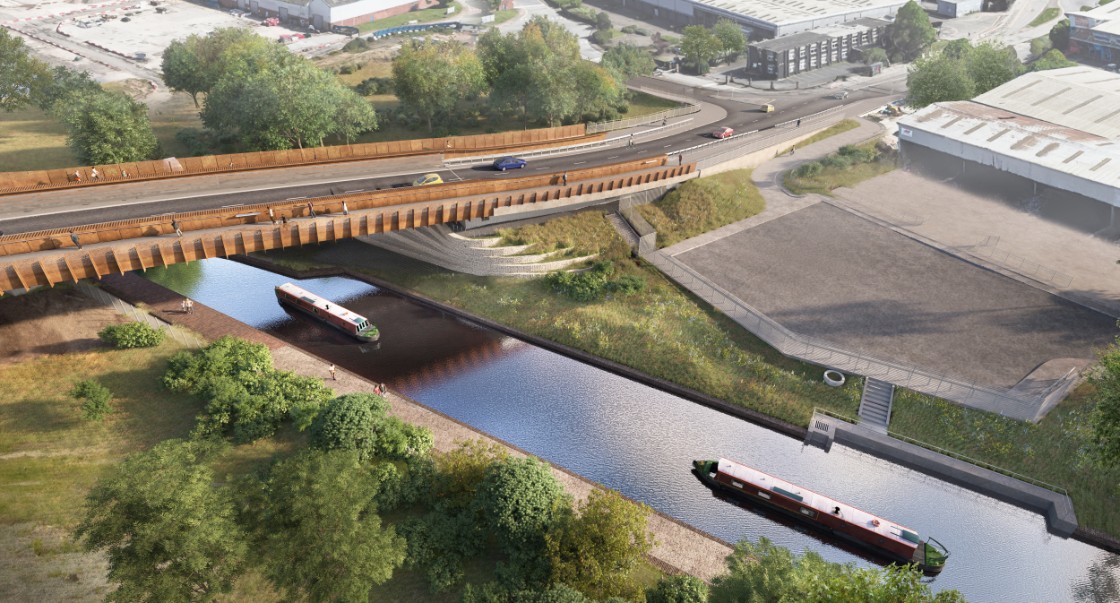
[641,441]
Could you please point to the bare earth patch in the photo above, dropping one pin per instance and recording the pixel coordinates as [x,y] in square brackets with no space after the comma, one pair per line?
[58,322]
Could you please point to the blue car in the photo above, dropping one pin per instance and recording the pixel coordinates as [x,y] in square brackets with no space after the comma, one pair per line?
[509,163]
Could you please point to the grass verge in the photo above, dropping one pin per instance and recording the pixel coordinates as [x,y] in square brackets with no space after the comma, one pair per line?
[1048,14]
[850,166]
[833,130]
[427,15]
[703,204]
[31,139]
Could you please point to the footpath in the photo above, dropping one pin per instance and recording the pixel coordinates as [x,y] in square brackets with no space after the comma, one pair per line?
[679,548]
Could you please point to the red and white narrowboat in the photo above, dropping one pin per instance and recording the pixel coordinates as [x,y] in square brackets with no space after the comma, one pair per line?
[327,311]
[872,532]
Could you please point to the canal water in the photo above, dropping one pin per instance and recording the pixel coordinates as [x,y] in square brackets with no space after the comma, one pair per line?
[641,441]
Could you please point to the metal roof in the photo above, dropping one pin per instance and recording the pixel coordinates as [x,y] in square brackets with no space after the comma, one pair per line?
[1090,156]
[1080,98]
[780,12]
[796,40]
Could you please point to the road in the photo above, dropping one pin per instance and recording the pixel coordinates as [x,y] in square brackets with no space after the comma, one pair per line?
[69,208]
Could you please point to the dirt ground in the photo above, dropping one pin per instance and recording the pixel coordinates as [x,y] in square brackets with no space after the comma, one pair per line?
[58,321]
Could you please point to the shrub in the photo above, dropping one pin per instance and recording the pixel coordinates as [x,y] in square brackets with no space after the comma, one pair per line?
[356,45]
[349,423]
[602,37]
[678,589]
[95,399]
[583,13]
[375,85]
[582,286]
[346,69]
[131,335]
[628,284]
[808,170]
[603,21]
[629,29]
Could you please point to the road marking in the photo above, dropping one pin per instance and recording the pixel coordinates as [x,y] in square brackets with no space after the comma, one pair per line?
[240,204]
[666,146]
[288,199]
[579,162]
[357,190]
[612,157]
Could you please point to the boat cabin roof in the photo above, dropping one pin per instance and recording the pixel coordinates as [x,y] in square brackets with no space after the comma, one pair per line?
[323,304]
[821,503]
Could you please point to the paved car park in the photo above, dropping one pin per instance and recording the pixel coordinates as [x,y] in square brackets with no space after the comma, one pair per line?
[826,272]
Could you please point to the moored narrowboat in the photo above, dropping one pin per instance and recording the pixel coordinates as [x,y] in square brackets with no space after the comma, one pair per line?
[327,311]
[874,533]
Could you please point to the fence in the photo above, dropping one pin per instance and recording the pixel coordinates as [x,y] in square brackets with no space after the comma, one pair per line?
[777,134]
[690,107]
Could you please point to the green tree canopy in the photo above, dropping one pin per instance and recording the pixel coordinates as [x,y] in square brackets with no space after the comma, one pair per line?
[435,78]
[349,422]
[107,127]
[195,64]
[875,55]
[958,49]
[1052,59]
[765,572]
[731,38]
[21,75]
[320,537]
[680,588]
[1059,35]
[700,46]
[990,66]
[520,499]
[1105,380]
[627,61]
[168,531]
[911,33]
[937,79]
[596,550]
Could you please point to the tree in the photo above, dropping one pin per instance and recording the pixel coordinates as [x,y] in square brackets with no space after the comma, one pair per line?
[603,22]
[875,55]
[1053,59]
[990,66]
[61,86]
[627,61]
[681,588]
[183,69]
[107,127]
[348,423]
[765,572]
[958,49]
[168,531]
[319,536]
[700,46]
[434,78]
[20,73]
[910,33]
[195,64]
[597,549]
[1105,379]
[520,499]
[598,92]
[938,79]
[1059,35]
[731,38]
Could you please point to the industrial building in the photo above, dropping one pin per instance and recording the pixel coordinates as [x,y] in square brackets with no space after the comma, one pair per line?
[762,19]
[959,8]
[321,14]
[789,55]
[1094,35]
[1056,130]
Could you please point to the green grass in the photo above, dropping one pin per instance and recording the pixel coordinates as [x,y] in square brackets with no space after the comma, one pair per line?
[420,16]
[702,205]
[504,15]
[31,139]
[833,130]
[1055,451]
[645,104]
[832,177]
[1048,14]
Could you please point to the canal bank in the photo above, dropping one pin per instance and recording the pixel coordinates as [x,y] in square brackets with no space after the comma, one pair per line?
[679,548]
[1057,510]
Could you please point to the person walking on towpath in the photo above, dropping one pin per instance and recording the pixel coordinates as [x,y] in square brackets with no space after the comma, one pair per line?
[74,237]
[178,227]
[271,216]
[93,174]
[564,178]
[345,210]
[310,209]
[331,369]
[190,305]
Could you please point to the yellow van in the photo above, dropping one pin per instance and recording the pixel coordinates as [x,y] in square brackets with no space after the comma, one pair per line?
[767,108]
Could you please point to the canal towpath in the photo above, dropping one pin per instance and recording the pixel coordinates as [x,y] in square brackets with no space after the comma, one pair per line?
[679,548]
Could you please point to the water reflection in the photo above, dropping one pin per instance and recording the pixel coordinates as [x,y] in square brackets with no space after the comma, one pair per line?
[641,441]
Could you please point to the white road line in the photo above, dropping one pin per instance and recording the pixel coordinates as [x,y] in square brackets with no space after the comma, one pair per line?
[613,157]
[357,190]
[288,199]
[579,162]
[240,204]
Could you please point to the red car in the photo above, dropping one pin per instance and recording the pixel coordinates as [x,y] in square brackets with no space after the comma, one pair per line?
[724,132]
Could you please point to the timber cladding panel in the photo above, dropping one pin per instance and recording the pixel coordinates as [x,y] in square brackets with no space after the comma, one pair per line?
[50,257]
[15,182]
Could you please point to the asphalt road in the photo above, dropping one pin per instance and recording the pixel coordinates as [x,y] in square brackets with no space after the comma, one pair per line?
[67,209]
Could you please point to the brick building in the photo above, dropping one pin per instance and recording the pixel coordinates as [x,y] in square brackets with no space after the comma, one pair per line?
[782,57]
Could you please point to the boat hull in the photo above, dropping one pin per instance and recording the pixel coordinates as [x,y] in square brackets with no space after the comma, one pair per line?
[295,306]
[820,521]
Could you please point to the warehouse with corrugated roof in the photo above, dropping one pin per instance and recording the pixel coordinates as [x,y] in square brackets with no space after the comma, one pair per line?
[1058,129]
[763,19]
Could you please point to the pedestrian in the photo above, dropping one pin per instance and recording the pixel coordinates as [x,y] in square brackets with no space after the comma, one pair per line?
[284,219]
[630,141]
[183,306]
[74,237]
[310,209]
[564,178]
[345,210]
[331,369]
[124,173]
[175,224]
[680,159]
[664,121]
[798,123]
[77,176]
[384,389]
[93,174]
[377,388]
[271,216]
[793,149]
[190,306]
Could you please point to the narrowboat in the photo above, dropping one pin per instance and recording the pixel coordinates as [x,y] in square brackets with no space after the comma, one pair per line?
[879,535]
[327,311]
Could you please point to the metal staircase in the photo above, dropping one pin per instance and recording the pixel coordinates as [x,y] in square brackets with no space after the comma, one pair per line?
[875,405]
